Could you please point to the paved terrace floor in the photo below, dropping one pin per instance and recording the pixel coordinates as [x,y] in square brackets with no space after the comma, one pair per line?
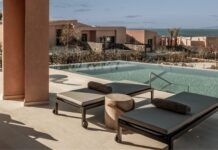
[37,127]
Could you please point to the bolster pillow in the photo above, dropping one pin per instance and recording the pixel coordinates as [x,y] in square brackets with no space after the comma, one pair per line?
[99,87]
[171,106]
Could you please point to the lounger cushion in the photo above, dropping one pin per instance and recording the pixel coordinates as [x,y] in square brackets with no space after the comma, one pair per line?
[99,87]
[166,122]
[128,87]
[82,97]
[86,96]
[171,106]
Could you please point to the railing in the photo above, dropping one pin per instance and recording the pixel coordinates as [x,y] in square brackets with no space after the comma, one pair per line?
[152,74]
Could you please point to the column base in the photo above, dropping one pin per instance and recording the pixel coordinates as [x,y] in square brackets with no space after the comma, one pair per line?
[13,97]
[36,103]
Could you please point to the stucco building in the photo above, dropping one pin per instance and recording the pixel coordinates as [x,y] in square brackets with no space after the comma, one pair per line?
[204,41]
[144,37]
[88,33]
[101,34]
[100,37]
[199,41]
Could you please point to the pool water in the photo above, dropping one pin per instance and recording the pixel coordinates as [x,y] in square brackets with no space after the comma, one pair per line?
[183,79]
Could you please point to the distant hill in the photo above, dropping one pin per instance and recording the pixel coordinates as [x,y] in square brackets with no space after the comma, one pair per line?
[213,27]
[191,32]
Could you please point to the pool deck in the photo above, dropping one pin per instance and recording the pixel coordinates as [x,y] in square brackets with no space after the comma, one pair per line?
[37,127]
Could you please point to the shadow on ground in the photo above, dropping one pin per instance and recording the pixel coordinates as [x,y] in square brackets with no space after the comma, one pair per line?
[18,136]
[60,79]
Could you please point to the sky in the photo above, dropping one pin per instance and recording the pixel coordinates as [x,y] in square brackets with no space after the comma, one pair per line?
[139,13]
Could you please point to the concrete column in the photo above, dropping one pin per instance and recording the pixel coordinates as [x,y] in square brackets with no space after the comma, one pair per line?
[25,50]
[13,49]
[36,51]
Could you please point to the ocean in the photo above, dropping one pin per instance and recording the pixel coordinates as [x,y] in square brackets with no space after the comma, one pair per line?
[190,32]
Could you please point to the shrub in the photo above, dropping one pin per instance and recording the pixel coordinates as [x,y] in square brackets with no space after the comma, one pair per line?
[214,67]
[66,57]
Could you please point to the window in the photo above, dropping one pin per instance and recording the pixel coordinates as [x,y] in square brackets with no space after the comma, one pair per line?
[107,39]
[150,42]
[58,37]
[84,38]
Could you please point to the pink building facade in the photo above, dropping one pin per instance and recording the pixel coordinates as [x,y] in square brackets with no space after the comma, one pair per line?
[88,33]
[143,37]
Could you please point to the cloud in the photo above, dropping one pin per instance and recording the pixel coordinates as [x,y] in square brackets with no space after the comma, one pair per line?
[84,5]
[82,10]
[57,4]
[126,23]
[133,16]
[69,4]
[149,22]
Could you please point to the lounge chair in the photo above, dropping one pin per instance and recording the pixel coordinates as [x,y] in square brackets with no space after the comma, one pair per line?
[86,98]
[166,126]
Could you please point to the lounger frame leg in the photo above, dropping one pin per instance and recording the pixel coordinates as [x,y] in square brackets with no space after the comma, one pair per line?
[170,144]
[152,94]
[55,110]
[84,121]
[118,137]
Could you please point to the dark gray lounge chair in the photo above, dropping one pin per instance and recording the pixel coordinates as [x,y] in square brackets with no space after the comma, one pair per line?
[166,126]
[85,98]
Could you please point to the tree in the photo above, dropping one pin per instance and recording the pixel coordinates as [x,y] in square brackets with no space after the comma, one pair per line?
[70,33]
[171,36]
[174,33]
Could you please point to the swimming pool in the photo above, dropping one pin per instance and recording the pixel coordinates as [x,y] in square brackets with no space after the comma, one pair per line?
[176,79]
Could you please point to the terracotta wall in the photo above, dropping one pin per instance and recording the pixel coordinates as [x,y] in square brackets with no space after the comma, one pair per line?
[92,36]
[52,36]
[102,33]
[198,43]
[142,37]
[118,32]
[212,42]
[25,50]
[13,49]
[88,34]
[151,35]
[36,51]
[135,36]
[1,33]
[121,35]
